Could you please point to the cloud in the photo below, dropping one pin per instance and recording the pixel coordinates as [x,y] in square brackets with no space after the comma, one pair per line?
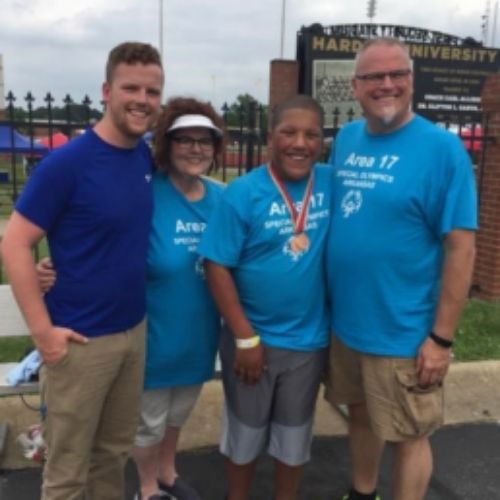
[215,50]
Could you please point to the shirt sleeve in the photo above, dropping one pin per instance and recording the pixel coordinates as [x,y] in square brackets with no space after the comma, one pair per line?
[458,207]
[47,192]
[223,240]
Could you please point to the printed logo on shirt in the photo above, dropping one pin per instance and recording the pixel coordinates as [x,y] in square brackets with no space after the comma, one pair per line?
[280,208]
[385,162]
[279,217]
[351,203]
[148,178]
[290,250]
[188,234]
[279,222]
[199,268]
[365,172]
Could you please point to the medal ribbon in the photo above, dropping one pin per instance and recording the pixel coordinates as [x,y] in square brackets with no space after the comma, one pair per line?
[298,219]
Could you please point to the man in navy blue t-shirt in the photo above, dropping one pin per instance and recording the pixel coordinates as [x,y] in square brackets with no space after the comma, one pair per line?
[92,199]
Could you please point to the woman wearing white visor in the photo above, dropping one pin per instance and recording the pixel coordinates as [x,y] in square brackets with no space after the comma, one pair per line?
[183,322]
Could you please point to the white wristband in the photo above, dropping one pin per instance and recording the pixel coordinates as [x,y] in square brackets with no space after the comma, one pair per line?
[248,343]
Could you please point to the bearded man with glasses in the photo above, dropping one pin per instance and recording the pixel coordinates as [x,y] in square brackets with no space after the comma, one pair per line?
[399,263]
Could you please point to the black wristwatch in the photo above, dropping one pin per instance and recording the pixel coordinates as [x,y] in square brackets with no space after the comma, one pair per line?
[440,341]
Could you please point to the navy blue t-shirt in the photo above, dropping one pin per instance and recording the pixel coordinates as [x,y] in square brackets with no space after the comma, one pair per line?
[94,201]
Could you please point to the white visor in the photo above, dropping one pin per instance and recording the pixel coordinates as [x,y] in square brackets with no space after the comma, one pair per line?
[187,121]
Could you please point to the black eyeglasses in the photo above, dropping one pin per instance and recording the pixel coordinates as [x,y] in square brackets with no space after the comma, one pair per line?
[396,76]
[187,142]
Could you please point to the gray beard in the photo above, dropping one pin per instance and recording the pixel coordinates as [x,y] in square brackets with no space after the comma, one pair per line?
[389,115]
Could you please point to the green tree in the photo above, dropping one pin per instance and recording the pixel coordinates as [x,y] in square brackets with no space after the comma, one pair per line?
[239,113]
[72,113]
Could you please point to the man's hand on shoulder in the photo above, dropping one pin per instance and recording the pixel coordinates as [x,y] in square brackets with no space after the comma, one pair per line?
[432,363]
[53,343]
[249,364]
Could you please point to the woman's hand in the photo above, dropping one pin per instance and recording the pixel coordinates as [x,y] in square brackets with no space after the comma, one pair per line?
[46,274]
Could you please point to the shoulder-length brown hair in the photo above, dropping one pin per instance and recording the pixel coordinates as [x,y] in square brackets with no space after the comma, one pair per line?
[174,108]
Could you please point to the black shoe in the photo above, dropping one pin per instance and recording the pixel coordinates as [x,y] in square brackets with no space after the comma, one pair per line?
[180,490]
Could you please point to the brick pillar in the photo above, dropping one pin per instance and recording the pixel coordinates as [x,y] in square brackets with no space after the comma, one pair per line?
[283,81]
[487,269]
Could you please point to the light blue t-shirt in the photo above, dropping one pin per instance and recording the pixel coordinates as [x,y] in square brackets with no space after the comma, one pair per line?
[282,292]
[183,322]
[396,197]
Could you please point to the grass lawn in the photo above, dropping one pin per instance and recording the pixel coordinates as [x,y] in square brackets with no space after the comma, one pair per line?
[478,334]
[477,338]
[7,188]
[14,348]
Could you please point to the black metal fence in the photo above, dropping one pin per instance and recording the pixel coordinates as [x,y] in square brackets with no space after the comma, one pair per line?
[246,131]
[28,131]
[246,127]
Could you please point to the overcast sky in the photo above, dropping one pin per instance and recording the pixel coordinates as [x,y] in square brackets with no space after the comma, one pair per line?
[213,49]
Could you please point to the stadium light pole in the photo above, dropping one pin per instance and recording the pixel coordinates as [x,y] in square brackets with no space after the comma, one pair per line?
[494,28]
[160,30]
[283,12]
[372,6]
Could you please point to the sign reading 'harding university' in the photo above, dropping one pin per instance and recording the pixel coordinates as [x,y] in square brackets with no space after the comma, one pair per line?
[449,72]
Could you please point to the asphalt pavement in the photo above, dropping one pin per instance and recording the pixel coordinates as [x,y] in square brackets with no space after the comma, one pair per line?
[467,467]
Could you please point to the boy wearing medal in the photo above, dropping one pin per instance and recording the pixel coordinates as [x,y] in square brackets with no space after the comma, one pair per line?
[264,250]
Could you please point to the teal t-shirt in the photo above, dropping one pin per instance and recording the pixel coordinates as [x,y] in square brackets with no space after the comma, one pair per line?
[396,197]
[183,323]
[282,292]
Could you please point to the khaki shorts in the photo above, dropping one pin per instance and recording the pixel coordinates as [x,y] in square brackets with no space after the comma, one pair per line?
[399,409]
[92,397]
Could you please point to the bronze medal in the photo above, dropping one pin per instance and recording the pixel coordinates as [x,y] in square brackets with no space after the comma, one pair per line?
[299,243]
